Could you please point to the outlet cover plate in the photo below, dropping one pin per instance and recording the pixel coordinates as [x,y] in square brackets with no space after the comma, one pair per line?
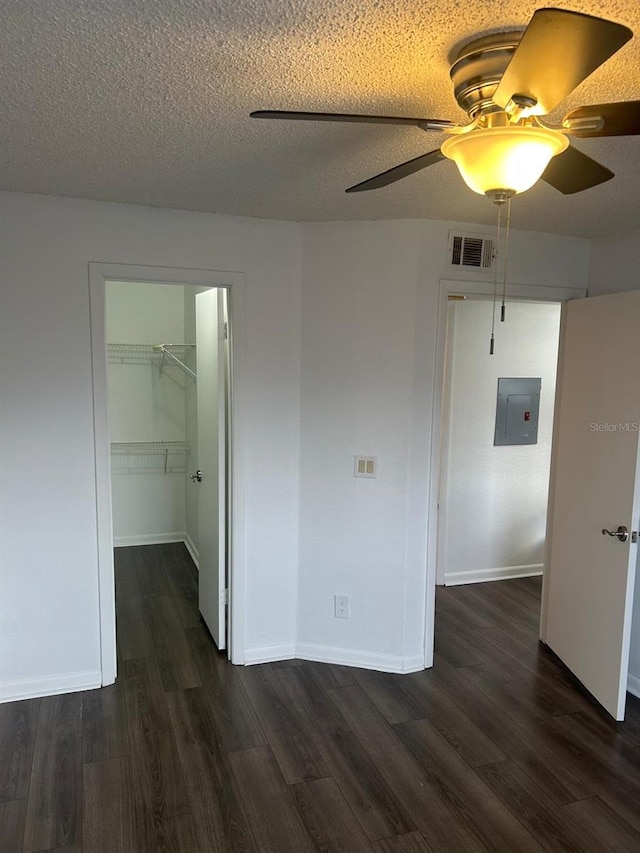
[341,608]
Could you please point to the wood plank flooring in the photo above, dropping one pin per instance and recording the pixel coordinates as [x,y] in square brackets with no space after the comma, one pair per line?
[497,748]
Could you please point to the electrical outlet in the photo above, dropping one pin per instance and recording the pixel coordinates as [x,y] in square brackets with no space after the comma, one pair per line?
[341,607]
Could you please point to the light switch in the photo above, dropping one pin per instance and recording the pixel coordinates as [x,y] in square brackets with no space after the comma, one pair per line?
[365,466]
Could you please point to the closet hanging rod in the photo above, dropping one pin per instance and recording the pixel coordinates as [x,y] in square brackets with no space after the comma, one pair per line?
[164,349]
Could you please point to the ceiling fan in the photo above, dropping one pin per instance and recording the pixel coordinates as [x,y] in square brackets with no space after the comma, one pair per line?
[505,83]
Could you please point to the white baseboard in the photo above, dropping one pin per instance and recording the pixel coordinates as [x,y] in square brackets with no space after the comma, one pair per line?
[268,654]
[191,548]
[159,539]
[148,539]
[633,685]
[49,685]
[359,658]
[502,574]
[333,654]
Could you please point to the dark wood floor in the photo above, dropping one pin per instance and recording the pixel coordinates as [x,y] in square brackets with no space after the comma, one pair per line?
[494,749]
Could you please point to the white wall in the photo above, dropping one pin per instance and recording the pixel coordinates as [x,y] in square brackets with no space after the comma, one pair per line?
[615,263]
[49,603]
[494,499]
[359,381]
[146,405]
[369,317]
[144,313]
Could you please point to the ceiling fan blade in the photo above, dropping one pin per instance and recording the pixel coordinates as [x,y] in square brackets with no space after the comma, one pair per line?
[349,117]
[619,119]
[557,51]
[572,171]
[398,172]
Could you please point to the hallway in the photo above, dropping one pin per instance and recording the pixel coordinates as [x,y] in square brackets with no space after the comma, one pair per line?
[494,749]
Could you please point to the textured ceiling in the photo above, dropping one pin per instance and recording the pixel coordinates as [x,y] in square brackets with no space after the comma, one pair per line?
[148,103]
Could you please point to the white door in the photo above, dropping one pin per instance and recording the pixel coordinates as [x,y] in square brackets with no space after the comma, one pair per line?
[589,577]
[211,395]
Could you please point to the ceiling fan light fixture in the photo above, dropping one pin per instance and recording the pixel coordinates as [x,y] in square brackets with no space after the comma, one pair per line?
[504,160]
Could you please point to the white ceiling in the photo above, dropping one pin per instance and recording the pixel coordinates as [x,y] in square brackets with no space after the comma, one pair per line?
[148,103]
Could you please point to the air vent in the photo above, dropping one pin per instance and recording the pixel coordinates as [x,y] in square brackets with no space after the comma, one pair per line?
[471,250]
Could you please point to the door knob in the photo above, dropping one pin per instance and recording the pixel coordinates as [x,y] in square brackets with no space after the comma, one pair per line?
[621,533]
[197,478]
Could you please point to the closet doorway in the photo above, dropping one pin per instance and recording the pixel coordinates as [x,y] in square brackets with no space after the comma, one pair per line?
[168,393]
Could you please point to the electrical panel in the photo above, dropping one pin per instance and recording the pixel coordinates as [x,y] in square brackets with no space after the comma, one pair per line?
[517,410]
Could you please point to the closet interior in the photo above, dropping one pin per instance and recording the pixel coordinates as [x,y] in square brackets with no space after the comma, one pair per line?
[152,383]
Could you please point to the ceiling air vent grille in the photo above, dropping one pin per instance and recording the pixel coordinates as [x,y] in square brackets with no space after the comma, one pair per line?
[470,250]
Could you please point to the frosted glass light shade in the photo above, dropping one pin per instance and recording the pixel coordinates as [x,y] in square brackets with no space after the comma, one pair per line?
[507,159]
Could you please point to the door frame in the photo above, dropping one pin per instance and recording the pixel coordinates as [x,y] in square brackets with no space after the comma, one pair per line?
[474,288]
[234,283]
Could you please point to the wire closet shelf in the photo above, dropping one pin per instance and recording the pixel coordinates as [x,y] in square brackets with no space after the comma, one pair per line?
[159,353]
[159,455]
[135,456]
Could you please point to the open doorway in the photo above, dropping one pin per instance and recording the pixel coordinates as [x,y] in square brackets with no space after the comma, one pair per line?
[469,290]
[594,489]
[494,488]
[493,495]
[168,406]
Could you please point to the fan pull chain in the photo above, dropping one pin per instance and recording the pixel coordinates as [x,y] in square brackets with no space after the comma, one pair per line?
[495,282]
[506,262]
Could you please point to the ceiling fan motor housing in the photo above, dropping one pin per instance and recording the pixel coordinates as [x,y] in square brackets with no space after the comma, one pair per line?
[478,69]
